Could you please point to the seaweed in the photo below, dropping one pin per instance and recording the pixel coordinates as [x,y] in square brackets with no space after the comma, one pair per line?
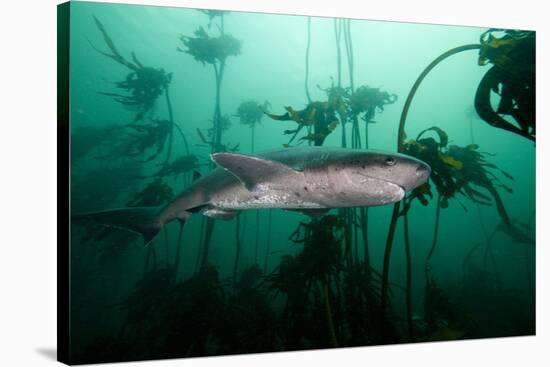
[143,84]
[222,125]
[212,14]
[210,50]
[317,115]
[325,294]
[456,170]
[512,77]
[217,147]
[154,194]
[366,100]
[251,112]
[87,139]
[340,107]
[151,136]
[181,165]
[249,323]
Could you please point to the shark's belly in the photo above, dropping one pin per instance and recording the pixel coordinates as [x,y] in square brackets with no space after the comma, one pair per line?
[238,198]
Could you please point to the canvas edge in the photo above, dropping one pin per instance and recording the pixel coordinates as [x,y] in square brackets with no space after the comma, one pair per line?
[63,184]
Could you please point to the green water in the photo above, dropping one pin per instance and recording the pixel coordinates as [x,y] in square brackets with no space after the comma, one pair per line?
[126,300]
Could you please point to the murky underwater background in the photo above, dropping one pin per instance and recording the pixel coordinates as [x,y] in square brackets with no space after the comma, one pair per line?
[283,281]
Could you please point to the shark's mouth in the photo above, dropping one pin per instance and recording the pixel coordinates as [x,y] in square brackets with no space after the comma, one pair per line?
[397,193]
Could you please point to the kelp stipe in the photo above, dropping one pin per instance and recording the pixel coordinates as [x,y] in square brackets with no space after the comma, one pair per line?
[213,51]
[400,146]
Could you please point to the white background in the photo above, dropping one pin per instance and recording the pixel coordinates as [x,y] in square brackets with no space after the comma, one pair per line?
[28,184]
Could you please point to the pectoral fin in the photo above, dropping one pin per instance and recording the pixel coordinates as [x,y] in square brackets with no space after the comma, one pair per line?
[218,213]
[251,170]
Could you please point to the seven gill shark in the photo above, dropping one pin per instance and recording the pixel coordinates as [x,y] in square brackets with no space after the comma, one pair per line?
[312,180]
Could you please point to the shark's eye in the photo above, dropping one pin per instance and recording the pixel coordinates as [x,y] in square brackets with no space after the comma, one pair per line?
[390,161]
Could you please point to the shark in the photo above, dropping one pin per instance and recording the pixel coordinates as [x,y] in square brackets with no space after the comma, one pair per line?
[311,180]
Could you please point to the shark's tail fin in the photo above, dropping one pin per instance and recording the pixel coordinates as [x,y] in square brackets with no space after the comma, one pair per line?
[141,220]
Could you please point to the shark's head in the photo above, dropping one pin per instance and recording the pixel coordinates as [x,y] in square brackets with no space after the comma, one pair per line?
[377,178]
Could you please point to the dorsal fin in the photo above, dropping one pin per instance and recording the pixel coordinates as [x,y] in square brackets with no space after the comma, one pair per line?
[251,170]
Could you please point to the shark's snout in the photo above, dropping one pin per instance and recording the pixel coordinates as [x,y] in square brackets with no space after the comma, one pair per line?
[418,177]
[423,171]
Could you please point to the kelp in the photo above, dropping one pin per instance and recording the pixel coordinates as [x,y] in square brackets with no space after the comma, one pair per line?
[305,279]
[342,105]
[456,170]
[213,51]
[155,194]
[338,100]
[321,238]
[213,13]
[477,173]
[202,316]
[224,123]
[103,187]
[210,50]
[193,317]
[444,318]
[401,146]
[363,102]
[216,147]
[366,101]
[89,138]
[249,323]
[318,115]
[362,311]
[251,112]
[318,282]
[109,244]
[482,287]
[181,165]
[180,315]
[512,77]
[143,84]
[115,55]
[519,232]
[147,136]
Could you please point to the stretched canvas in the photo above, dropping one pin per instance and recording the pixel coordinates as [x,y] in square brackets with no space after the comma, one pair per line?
[235,182]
